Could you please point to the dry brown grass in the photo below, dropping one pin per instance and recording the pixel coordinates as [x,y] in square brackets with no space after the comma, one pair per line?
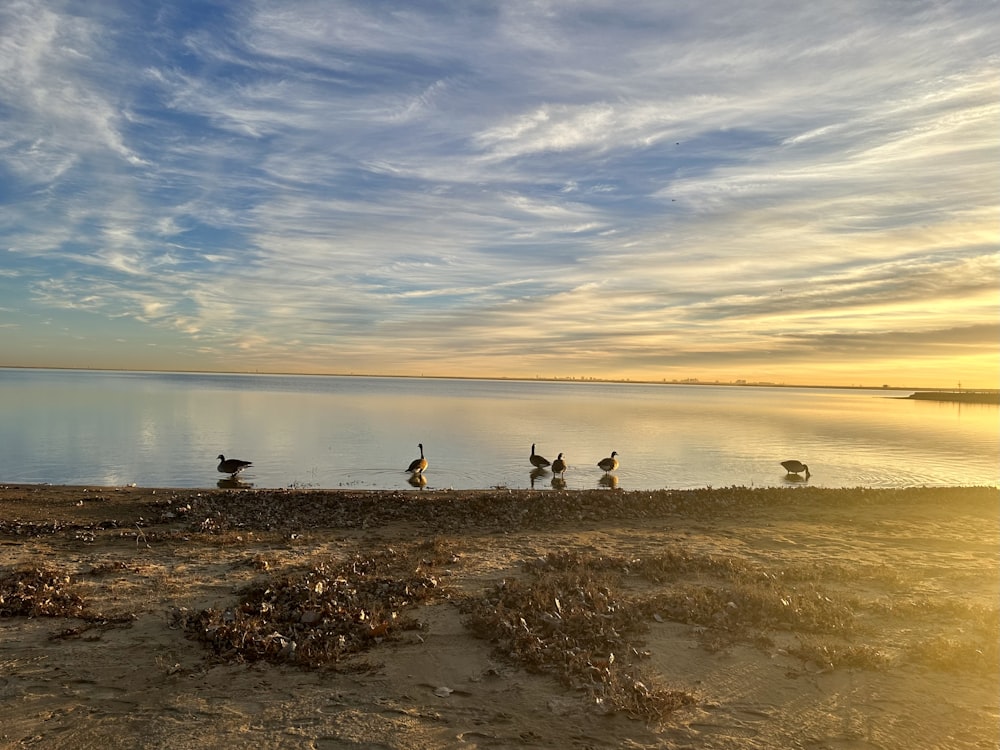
[833,655]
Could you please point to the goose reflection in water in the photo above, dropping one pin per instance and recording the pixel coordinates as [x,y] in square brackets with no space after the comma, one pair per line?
[609,480]
[558,483]
[537,474]
[418,480]
[792,478]
[234,483]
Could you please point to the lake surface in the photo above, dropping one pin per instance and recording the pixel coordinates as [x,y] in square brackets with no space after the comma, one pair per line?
[166,429]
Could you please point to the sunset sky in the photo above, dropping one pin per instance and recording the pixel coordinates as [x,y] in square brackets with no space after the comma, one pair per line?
[767,191]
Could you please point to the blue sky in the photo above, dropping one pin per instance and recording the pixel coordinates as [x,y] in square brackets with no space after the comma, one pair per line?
[772,191]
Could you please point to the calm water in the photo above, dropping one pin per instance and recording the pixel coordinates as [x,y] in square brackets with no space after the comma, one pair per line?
[165,430]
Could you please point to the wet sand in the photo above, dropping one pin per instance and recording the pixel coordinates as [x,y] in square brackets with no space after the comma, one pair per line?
[787,617]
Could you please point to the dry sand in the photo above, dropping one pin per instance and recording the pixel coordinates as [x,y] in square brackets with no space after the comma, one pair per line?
[889,641]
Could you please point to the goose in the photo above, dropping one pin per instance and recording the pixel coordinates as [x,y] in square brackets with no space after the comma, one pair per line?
[609,464]
[794,467]
[418,465]
[232,466]
[539,462]
[559,465]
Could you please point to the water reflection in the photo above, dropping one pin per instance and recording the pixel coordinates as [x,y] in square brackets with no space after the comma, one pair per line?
[610,481]
[417,480]
[558,483]
[795,478]
[233,483]
[154,429]
[535,475]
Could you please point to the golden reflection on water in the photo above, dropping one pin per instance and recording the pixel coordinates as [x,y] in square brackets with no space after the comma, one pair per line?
[361,432]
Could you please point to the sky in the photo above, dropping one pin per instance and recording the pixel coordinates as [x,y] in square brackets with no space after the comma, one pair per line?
[775,191]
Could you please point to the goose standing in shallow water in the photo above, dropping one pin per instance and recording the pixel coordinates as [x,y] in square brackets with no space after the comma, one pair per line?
[232,466]
[559,465]
[539,462]
[418,465]
[609,464]
[794,467]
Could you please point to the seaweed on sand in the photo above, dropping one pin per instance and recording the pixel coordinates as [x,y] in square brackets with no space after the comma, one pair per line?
[319,616]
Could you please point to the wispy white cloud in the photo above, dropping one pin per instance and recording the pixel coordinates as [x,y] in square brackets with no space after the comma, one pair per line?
[558,188]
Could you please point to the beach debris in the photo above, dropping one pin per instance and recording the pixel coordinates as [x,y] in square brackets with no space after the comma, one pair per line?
[319,616]
[46,592]
[39,592]
[568,618]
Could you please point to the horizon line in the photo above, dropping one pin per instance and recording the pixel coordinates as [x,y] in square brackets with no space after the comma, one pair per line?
[538,378]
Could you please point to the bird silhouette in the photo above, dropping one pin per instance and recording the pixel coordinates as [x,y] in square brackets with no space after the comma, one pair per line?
[559,465]
[610,463]
[418,465]
[539,462]
[232,466]
[794,467]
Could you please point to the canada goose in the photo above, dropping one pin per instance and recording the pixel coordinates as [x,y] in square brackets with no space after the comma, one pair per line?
[232,466]
[559,465]
[794,467]
[610,463]
[539,462]
[418,465]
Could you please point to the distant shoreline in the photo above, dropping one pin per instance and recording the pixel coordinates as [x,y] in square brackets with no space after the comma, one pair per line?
[963,397]
[537,379]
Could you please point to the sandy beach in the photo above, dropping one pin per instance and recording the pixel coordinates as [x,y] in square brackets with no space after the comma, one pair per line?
[717,618]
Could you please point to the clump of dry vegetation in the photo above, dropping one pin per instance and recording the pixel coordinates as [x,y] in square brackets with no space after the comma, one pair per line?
[217,511]
[39,592]
[972,645]
[570,618]
[829,655]
[316,617]
[45,592]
